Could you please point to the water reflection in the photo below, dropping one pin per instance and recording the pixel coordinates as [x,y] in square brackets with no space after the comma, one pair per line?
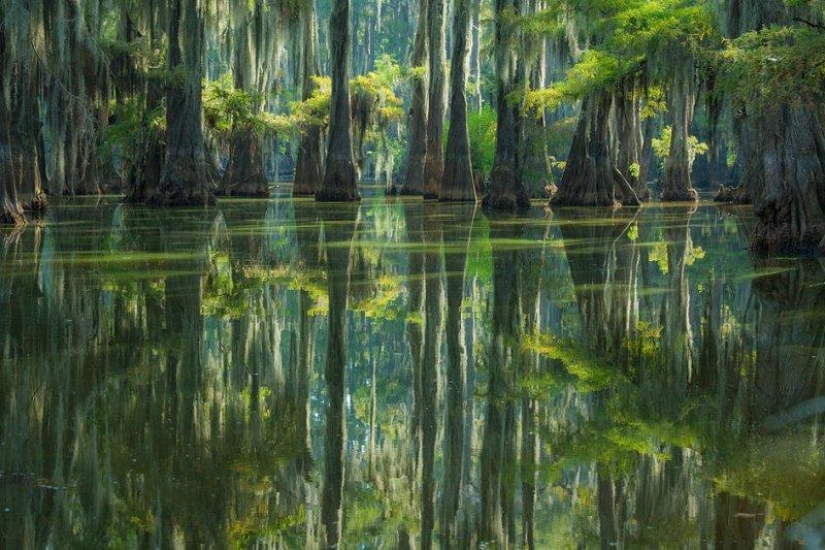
[403,374]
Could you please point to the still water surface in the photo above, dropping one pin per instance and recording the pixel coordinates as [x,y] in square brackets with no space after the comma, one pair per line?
[395,374]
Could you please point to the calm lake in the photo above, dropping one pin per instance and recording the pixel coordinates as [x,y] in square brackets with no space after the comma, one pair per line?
[398,374]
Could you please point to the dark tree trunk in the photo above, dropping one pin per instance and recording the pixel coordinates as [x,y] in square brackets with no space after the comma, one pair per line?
[244,176]
[417,120]
[340,179]
[677,184]
[338,258]
[185,180]
[591,178]
[789,182]
[507,191]
[782,155]
[308,166]
[20,173]
[458,184]
[434,163]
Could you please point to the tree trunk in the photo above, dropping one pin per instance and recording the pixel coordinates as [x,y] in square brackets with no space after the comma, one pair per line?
[507,191]
[184,180]
[457,183]
[434,162]
[340,180]
[590,177]
[781,154]
[417,120]
[536,172]
[308,167]
[790,190]
[245,175]
[630,139]
[677,184]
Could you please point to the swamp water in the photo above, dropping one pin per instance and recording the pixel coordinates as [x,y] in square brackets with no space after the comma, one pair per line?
[397,374]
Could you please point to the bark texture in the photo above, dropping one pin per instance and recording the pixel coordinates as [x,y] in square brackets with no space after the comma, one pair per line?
[245,175]
[782,154]
[417,120]
[308,167]
[434,162]
[340,179]
[677,184]
[591,177]
[185,180]
[458,183]
[507,191]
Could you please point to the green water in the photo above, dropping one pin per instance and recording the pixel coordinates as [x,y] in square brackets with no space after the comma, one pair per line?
[395,374]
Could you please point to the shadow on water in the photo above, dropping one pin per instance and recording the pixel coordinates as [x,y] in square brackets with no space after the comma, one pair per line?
[406,374]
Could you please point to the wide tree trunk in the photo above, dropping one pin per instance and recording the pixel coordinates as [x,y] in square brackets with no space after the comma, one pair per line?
[677,184]
[417,120]
[782,154]
[507,191]
[590,177]
[340,179]
[185,180]
[434,162]
[457,183]
[308,166]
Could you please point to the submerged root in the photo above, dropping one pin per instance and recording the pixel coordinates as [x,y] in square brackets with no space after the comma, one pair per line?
[679,195]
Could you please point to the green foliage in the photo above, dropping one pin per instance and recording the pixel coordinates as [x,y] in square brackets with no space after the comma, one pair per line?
[661,146]
[228,110]
[129,129]
[482,130]
[776,65]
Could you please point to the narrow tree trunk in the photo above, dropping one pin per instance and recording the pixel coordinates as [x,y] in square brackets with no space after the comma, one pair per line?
[245,176]
[536,172]
[507,191]
[185,180]
[677,184]
[457,183]
[340,179]
[308,167]
[630,139]
[475,60]
[434,163]
[417,120]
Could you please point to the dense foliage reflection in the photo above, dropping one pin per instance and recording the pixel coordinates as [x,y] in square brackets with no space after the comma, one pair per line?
[406,375]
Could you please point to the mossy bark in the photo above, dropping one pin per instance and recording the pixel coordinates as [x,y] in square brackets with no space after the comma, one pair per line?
[458,182]
[185,180]
[340,178]
[20,157]
[781,153]
[308,166]
[591,177]
[507,191]
[677,184]
[245,175]
[630,140]
[434,162]
[417,120]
